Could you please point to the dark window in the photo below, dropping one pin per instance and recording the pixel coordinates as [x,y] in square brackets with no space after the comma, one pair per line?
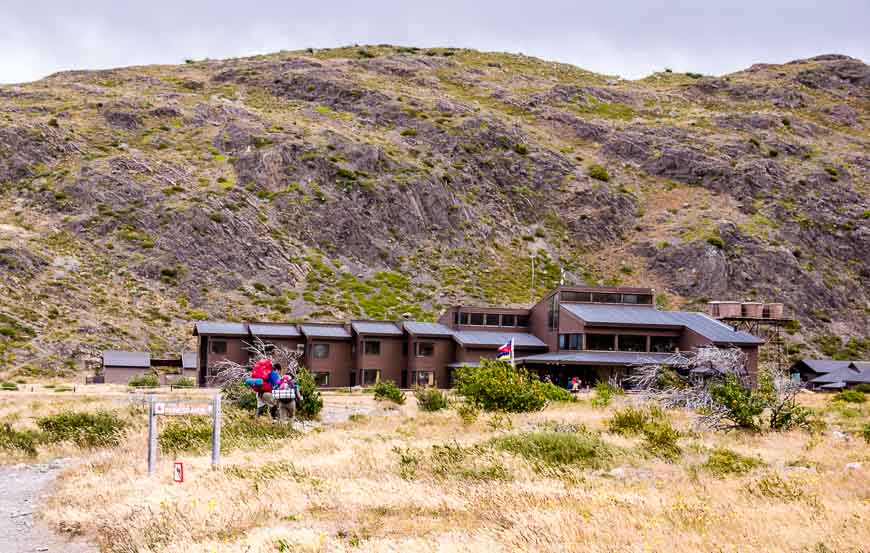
[522,320]
[476,319]
[629,298]
[219,347]
[508,320]
[425,349]
[570,341]
[664,344]
[372,347]
[553,312]
[321,379]
[600,342]
[320,351]
[424,378]
[404,349]
[463,318]
[492,319]
[632,343]
[456,318]
[644,299]
[370,377]
[606,298]
[575,296]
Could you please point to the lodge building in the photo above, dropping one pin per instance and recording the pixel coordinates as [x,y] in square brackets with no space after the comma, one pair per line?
[592,333]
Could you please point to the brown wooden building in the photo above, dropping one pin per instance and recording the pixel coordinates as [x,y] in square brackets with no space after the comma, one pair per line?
[593,333]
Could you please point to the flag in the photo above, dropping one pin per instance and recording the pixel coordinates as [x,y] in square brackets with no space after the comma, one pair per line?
[506,352]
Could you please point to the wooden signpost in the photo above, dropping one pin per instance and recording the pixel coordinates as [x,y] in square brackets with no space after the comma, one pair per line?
[183,409]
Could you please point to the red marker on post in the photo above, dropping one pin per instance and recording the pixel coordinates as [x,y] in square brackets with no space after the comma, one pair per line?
[178,472]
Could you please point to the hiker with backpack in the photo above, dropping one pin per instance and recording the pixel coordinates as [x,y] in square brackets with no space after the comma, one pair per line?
[286,394]
[264,378]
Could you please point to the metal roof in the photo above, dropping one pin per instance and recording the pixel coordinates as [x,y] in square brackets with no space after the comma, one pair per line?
[824,366]
[203,328]
[267,330]
[383,328]
[325,331]
[603,358]
[131,359]
[713,330]
[861,365]
[428,329]
[495,338]
[848,375]
[188,360]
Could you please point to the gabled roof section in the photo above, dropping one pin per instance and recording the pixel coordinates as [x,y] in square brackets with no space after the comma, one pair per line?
[428,329]
[334,331]
[380,328]
[846,375]
[128,359]
[486,338]
[715,331]
[188,360]
[603,358]
[274,330]
[824,366]
[620,315]
[863,366]
[220,328]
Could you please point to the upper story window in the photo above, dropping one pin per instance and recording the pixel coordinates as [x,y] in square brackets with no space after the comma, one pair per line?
[320,351]
[463,318]
[553,312]
[492,319]
[522,320]
[476,318]
[372,347]
[630,342]
[576,296]
[641,299]
[571,341]
[508,320]
[599,297]
[219,347]
[425,349]
[664,344]
[601,342]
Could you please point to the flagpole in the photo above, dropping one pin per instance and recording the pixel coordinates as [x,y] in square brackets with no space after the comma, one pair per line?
[512,353]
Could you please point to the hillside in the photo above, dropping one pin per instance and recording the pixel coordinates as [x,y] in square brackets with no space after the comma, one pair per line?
[380,181]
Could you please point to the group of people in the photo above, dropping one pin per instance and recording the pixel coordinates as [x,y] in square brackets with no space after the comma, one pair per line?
[276,388]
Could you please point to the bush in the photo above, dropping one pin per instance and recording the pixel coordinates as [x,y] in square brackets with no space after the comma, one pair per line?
[863,388]
[21,441]
[851,396]
[744,406]
[557,448]
[144,381]
[241,396]
[631,421]
[604,393]
[183,382]
[724,461]
[8,386]
[660,440]
[598,172]
[100,429]
[467,411]
[556,393]
[498,386]
[386,390]
[312,402]
[866,432]
[430,399]
[238,430]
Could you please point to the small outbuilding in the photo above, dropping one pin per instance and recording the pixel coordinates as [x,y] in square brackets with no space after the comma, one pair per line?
[120,366]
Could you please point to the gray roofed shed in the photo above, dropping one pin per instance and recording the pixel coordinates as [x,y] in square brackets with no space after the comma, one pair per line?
[217,328]
[847,375]
[131,359]
[428,329]
[824,366]
[494,338]
[274,330]
[381,328]
[325,331]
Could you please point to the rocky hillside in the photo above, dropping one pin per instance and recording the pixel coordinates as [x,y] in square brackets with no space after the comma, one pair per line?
[381,181]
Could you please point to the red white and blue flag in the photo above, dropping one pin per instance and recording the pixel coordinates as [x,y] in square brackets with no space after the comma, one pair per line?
[506,352]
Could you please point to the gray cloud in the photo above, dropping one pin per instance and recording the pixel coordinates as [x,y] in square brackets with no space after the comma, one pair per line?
[626,37]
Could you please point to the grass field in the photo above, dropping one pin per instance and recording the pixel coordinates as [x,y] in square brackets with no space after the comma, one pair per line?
[557,480]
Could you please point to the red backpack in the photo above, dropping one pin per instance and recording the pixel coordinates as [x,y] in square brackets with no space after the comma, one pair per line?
[261,370]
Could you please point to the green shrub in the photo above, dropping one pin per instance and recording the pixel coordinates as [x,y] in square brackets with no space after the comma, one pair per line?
[604,393]
[724,461]
[631,421]
[183,382]
[8,386]
[18,441]
[499,386]
[716,241]
[312,402]
[863,388]
[545,448]
[556,393]
[100,429]
[851,396]
[744,406]
[430,399]
[240,396]
[238,431]
[144,381]
[467,411]
[386,390]
[866,432]
[598,172]
[660,440]
[521,149]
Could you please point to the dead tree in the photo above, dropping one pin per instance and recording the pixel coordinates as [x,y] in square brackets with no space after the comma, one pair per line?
[229,373]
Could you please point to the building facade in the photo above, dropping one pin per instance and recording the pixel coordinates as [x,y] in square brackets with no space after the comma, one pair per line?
[591,333]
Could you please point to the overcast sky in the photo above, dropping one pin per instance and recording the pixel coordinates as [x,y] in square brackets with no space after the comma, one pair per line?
[624,37]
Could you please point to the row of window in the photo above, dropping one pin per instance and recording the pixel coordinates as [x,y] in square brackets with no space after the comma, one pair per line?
[606,297]
[321,351]
[490,319]
[371,377]
[619,342]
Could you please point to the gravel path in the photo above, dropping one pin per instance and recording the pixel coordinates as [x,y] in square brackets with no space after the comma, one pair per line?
[20,529]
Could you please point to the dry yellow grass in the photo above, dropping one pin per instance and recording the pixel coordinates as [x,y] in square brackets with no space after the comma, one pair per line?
[341,489]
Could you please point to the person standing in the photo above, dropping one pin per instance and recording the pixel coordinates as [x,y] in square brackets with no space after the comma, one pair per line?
[286,395]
